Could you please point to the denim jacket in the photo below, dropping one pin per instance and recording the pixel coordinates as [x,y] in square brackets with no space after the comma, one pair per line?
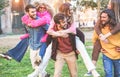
[35,36]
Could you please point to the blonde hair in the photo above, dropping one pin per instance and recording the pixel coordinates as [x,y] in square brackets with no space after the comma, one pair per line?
[36,4]
[48,8]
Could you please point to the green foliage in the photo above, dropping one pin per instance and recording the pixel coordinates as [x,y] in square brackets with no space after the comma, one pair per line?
[104,3]
[3,4]
[89,3]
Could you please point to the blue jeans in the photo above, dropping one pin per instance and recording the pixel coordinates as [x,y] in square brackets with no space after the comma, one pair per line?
[109,65]
[19,50]
[43,49]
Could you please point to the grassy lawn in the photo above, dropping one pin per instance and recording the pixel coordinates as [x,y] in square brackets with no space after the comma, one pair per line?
[22,69]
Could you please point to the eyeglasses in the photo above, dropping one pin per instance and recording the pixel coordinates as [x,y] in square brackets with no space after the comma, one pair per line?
[42,7]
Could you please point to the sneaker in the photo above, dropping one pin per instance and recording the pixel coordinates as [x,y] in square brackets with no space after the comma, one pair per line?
[38,58]
[88,74]
[6,56]
[47,75]
[44,75]
[95,73]
[33,74]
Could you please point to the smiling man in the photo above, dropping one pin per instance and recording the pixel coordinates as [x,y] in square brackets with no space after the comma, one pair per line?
[111,56]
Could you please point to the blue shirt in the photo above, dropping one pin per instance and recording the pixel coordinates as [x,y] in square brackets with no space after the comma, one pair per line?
[35,35]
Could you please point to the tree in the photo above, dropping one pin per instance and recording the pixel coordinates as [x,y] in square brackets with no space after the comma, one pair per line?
[104,3]
[88,3]
[3,4]
[91,3]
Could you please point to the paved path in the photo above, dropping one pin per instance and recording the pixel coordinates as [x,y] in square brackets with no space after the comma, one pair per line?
[12,40]
[9,40]
[88,35]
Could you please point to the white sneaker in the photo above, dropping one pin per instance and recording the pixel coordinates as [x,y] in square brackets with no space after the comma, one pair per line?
[38,59]
[95,73]
[88,74]
[6,56]
[40,75]
[33,74]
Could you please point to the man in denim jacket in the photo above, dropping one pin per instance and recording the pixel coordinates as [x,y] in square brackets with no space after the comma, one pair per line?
[35,35]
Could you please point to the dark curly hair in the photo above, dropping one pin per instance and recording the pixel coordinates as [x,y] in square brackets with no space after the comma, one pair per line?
[111,15]
[28,7]
[58,17]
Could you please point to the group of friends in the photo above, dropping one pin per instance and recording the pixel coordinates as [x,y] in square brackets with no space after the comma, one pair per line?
[56,36]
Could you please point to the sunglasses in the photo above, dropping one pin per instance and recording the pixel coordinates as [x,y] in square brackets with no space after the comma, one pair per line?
[42,7]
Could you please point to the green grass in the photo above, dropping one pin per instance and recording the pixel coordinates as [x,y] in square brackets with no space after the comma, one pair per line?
[22,69]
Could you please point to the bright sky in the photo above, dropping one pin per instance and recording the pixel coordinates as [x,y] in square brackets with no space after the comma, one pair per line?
[95,0]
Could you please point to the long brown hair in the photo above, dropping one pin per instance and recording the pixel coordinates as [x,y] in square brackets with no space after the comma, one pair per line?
[112,20]
[115,5]
[64,8]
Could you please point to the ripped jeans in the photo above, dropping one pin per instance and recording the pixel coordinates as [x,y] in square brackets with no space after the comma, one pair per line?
[110,65]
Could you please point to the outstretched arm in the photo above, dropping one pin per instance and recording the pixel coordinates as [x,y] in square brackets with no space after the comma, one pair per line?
[42,21]
[97,27]
[51,31]
[35,23]
[113,31]
[26,20]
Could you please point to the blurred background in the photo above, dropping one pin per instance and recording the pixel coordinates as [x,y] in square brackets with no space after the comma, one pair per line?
[11,11]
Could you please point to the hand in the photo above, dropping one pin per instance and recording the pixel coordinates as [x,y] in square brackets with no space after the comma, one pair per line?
[65,35]
[117,49]
[106,41]
[56,34]
[66,31]
[29,25]
[62,34]
[77,52]
[107,35]
[102,37]
[94,62]
[103,50]
[59,34]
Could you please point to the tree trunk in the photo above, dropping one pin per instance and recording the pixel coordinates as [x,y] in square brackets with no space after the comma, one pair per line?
[6,26]
[26,2]
[98,8]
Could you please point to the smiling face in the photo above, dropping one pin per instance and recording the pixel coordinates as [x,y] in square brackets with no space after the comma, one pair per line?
[104,18]
[62,24]
[60,21]
[42,8]
[70,11]
[32,13]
